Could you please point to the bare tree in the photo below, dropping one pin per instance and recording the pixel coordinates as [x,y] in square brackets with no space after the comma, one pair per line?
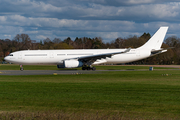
[57,40]
[23,42]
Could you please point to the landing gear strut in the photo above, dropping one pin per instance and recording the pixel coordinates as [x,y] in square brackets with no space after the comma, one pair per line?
[85,67]
[21,68]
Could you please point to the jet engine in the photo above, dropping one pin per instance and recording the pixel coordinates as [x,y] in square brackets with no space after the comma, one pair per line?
[70,64]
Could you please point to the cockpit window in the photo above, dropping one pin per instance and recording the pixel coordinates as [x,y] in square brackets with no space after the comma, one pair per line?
[10,54]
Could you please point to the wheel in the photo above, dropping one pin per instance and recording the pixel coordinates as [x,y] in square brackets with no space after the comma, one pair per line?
[88,68]
[93,68]
[83,68]
[21,69]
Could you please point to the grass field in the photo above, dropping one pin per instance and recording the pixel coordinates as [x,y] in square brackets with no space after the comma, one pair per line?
[109,95]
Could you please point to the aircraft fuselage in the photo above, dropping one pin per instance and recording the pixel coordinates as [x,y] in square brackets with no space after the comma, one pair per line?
[57,56]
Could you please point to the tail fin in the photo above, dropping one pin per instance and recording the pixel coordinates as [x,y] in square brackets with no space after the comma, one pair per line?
[156,40]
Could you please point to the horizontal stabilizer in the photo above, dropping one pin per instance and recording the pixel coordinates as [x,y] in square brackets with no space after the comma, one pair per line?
[155,52]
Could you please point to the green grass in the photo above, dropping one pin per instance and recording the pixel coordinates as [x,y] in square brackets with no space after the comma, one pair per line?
[109,95]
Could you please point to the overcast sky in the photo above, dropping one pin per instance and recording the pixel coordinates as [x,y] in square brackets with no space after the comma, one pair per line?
[108,19]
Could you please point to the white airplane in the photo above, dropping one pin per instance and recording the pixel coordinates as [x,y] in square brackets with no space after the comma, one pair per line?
[85,58]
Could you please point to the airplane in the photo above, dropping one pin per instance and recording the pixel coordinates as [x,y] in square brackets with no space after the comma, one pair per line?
[85,58]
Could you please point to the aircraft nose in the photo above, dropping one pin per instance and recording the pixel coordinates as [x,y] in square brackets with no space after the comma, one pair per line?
[6,58]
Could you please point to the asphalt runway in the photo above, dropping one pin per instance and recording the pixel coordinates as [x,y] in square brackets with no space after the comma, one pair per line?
[45,72]
[53,72]
[58,72]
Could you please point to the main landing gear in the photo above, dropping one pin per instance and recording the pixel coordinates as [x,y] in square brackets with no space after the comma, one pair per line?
[85,67]
[21,68]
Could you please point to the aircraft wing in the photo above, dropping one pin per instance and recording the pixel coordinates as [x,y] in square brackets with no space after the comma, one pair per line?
[93,58]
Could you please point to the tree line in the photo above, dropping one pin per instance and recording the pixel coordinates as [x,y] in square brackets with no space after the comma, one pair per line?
[23,42]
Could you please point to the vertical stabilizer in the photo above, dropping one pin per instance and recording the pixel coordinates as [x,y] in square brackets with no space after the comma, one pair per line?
[155,42]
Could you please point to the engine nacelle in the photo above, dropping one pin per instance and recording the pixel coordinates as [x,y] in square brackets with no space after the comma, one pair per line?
[70,64]
[60,66]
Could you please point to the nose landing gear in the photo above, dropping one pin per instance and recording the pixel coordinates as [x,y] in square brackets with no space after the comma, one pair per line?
[21,68]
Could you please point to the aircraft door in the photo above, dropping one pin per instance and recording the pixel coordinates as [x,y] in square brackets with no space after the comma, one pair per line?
[138,53]
[20,55]
[51,55]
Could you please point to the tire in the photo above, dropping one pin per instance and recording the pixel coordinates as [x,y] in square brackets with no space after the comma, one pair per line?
[93,68]
[88,68]
[83,68]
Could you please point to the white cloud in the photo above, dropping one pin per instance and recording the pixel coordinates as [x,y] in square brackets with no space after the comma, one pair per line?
[127,2]
[2,18]
[165,11]
[17,18]
[41,37]
[45,7]
[9,31]
[139,1]
[87,18]
[7,36]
